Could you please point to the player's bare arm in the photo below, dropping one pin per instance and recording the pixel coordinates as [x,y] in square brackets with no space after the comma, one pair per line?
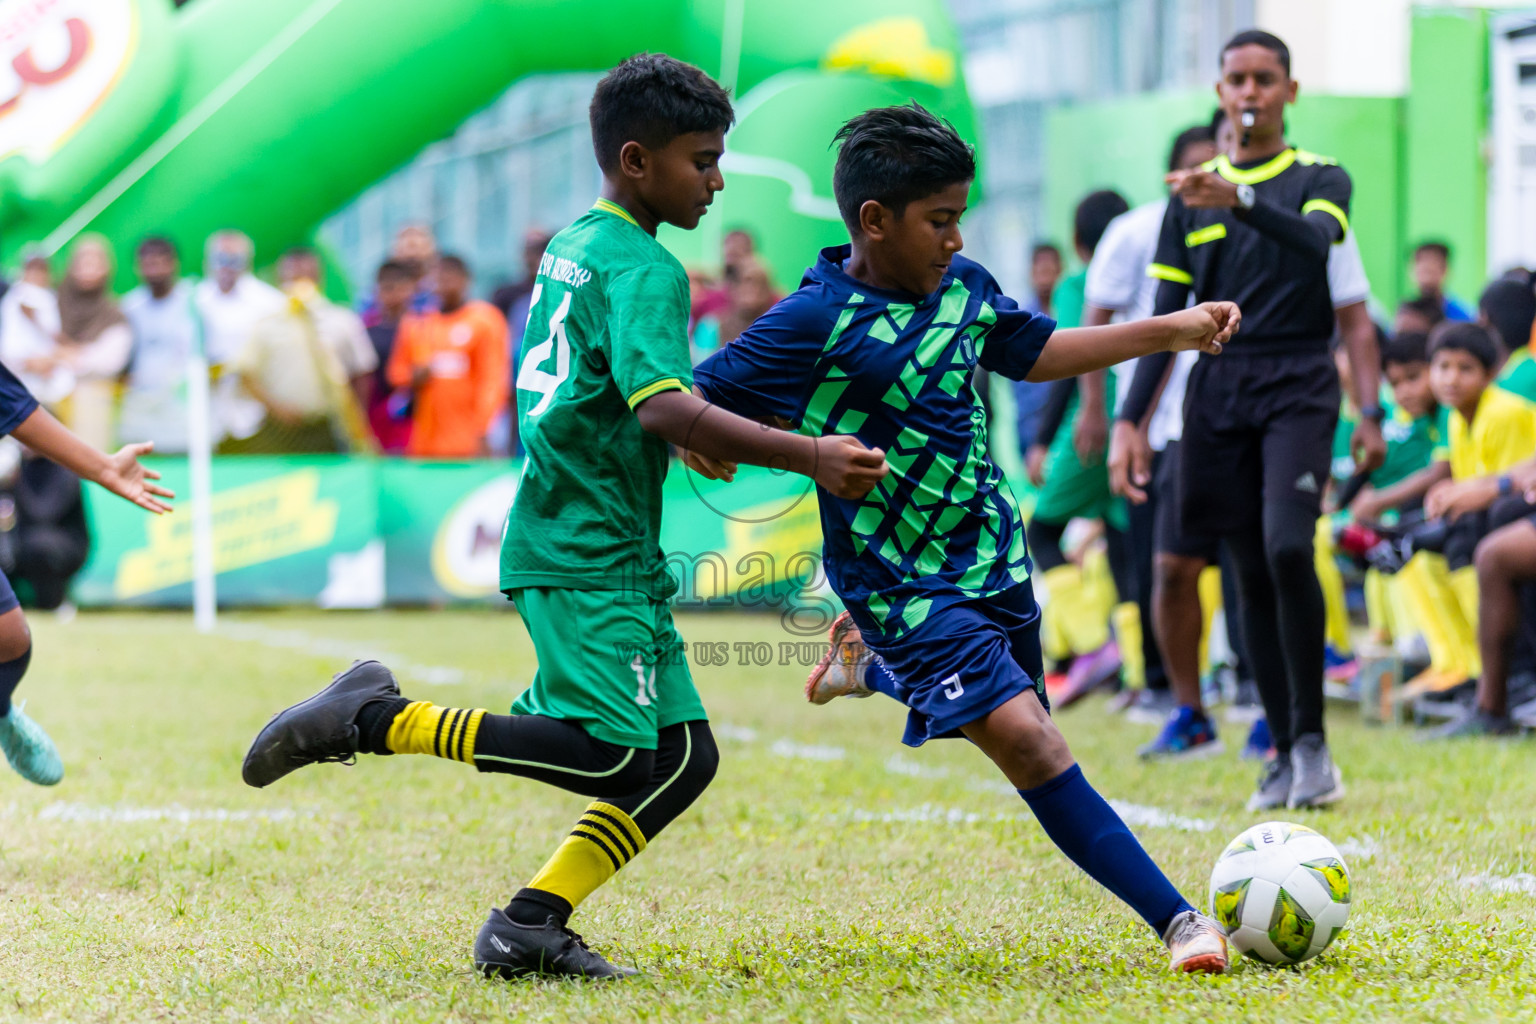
[840,463]
[1206,327]
[122,473]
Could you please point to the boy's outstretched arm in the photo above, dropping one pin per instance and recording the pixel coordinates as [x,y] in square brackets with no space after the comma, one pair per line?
[122,474]
[1077,350]
[839,463]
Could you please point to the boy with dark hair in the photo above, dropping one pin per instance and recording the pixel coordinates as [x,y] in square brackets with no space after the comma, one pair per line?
[1431,265]
[612,712]
[882,339]
[388,415]
[1029,400]
[1256,227]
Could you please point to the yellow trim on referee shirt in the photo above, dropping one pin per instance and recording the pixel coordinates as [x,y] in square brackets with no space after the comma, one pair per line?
[1163,272]
[1254,175]
[1327,207]
[1209,233]
[609,206]
[656,387]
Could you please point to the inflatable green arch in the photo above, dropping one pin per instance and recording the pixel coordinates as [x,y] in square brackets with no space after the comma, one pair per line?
[129,117]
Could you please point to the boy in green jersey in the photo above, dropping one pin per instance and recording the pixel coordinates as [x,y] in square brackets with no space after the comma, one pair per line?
[604,384]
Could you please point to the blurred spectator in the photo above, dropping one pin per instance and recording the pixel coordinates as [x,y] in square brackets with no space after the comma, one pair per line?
[94,339]
[750,294]
[455,363]
[29,334]
[1029,398]
[1417,316]
[389,411]
[160,313]
[513,300]
[1431,265]
[230,299]
[736,248]
[310,366]
[44,535]
[1508,305]
[416,247]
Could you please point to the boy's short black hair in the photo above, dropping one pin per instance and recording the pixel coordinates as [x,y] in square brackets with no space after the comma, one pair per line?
[454,264]
[1426,306]
[159,245]
[395,270]
[1459,336]
[1094,214]
[1044,249]
[652,99]
[1434,246]
[1186,138]
[1406,347]
[894,155]
[1268,40]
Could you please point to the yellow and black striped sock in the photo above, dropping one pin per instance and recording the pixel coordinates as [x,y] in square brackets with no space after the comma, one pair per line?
[604,840]
[424,728]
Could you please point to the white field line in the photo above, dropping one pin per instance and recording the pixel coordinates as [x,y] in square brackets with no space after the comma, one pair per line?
[343,650]
[96,814]
[805,751]
[1359,848]
[1522,882]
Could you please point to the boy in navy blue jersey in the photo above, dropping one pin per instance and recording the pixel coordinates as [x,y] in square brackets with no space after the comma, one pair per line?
[880,342]
[27,747]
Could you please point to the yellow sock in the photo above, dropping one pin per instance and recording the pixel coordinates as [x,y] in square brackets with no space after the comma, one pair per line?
[1378,606]
[1209,589]
[1464,587]
[1335,608]
[425,728]
[605,839]
[1133,666]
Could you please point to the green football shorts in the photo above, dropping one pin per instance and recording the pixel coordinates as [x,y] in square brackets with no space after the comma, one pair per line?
[610,661]
[1073,490]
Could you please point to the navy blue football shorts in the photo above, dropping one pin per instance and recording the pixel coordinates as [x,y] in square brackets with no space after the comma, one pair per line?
[964,662]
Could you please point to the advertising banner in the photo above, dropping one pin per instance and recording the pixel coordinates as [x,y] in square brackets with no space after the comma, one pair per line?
[344,532]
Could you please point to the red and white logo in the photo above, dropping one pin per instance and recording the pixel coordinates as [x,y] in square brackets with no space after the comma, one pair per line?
[58,60]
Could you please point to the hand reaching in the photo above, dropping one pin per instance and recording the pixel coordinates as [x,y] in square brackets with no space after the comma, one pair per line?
[130,479]
[847,468]
[1206,327]
[710,469]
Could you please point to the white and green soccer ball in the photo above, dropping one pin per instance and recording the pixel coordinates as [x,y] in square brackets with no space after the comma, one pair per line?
[1280,892]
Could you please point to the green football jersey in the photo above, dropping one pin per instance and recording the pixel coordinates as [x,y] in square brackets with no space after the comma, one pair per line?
[1412,444]
[1518,376]
[607,329]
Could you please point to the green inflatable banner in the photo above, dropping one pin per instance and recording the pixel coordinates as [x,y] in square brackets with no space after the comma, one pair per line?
[129,117]
[342,532]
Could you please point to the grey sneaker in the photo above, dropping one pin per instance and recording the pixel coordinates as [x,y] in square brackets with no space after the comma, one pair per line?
[1274,786]
[1475,722]
[1316,779]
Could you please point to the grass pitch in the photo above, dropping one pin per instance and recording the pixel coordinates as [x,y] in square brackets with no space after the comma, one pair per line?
[829,874]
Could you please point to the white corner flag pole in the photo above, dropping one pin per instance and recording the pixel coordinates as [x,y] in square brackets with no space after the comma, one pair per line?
[200,467]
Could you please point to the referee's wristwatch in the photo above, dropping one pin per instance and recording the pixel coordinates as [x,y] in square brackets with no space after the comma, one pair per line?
[1245,197]
[1374,413]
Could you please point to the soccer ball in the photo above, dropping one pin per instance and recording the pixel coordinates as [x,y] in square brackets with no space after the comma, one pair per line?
[1280,892]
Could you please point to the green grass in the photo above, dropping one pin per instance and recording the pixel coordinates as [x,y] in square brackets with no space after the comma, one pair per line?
[799,889]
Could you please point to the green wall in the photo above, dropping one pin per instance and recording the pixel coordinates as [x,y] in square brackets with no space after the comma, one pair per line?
[1123,144]
[1445,122]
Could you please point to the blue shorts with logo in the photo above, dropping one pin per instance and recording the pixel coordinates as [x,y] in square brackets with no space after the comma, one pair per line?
[961,664]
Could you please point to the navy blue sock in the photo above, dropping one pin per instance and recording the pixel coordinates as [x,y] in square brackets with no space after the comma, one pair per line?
[1090,832]
[10,675]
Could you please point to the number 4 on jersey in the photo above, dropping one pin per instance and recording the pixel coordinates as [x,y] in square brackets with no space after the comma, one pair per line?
[529,376]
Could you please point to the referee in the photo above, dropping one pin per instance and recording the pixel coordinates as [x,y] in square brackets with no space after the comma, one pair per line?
[1256,228]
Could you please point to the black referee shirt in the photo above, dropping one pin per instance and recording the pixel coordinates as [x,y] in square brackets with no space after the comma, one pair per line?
[1272,260]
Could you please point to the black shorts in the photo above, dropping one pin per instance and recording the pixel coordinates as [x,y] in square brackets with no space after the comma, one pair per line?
[1168,534]
[1258,429]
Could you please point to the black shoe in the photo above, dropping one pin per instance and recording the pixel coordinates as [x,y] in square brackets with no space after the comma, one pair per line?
[506,949]
[1316,780]
[322,728]
[1475,722]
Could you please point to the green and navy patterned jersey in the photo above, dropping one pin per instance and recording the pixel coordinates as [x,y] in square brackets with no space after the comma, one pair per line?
[607,329]
[894,370]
